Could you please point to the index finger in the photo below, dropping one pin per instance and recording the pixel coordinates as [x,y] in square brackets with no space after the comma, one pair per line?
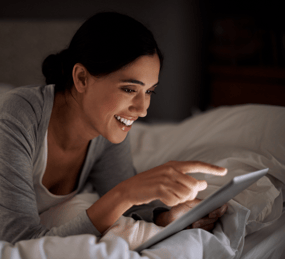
[200,167]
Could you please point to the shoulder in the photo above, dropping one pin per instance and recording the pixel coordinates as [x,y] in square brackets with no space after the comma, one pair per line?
[25,105]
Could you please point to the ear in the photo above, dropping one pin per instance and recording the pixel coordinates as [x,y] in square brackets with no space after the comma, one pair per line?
[80,74]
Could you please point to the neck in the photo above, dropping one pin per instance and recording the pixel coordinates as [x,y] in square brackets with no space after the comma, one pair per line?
[66,128]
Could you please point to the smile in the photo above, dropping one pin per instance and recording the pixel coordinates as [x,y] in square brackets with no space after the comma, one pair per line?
[124,121]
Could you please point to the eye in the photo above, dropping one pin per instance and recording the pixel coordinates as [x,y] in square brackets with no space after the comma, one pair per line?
[127,90]
[150,92]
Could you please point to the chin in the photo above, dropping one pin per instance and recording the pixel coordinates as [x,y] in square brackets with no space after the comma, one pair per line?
[116,139]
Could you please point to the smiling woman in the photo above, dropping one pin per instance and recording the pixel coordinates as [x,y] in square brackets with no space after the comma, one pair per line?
[73,132]
[102,100]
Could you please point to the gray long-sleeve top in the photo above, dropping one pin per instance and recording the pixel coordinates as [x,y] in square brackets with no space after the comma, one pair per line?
[24,117]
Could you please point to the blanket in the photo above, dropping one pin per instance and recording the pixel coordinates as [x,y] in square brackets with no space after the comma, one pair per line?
[242,138]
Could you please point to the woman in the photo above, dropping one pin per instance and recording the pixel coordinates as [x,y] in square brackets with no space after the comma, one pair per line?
[56,138]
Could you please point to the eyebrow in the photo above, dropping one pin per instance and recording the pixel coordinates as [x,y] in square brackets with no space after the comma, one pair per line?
[134,81]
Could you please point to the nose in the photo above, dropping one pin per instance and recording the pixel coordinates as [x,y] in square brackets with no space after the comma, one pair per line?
[139,105]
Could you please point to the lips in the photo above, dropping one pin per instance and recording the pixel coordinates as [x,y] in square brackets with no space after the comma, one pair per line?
[125,121]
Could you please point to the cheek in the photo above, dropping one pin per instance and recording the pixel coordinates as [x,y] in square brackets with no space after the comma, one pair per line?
[102,105]
[113,105]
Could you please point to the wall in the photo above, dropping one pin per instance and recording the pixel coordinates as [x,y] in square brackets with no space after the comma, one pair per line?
[30,30]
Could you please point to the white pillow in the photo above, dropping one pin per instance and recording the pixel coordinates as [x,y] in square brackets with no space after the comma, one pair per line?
[241,138]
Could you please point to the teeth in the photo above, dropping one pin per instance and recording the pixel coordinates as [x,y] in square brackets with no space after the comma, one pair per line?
[124,121]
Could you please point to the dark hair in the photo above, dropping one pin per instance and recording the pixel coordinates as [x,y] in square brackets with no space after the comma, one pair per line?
[104,43]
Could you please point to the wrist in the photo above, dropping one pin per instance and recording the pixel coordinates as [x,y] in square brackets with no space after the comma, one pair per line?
[122,193]
[108,209]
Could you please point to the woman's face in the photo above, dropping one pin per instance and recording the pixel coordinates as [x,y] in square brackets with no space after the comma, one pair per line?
[122,95]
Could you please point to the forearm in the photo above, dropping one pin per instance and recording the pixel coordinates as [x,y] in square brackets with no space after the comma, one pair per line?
[107,210]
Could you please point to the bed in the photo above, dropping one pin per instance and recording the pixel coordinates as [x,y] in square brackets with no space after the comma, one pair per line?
[242,138]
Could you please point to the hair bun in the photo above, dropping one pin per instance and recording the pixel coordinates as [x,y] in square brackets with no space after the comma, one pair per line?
[53,67]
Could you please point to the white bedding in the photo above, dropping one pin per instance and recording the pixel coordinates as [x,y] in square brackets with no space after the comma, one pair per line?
[268,242]
[242,138]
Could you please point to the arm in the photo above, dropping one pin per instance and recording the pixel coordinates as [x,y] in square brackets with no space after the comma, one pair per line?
[18,207]
[120,187]
[114,166]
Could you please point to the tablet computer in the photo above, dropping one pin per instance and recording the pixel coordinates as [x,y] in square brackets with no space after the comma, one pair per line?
[214,201]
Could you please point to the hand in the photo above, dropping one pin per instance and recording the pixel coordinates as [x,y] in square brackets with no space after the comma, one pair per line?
[206,223]
[168,182]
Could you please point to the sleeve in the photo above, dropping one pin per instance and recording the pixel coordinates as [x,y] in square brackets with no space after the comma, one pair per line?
[114,166]
[18,207]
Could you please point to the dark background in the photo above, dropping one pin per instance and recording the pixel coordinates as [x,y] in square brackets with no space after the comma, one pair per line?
[216,52]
